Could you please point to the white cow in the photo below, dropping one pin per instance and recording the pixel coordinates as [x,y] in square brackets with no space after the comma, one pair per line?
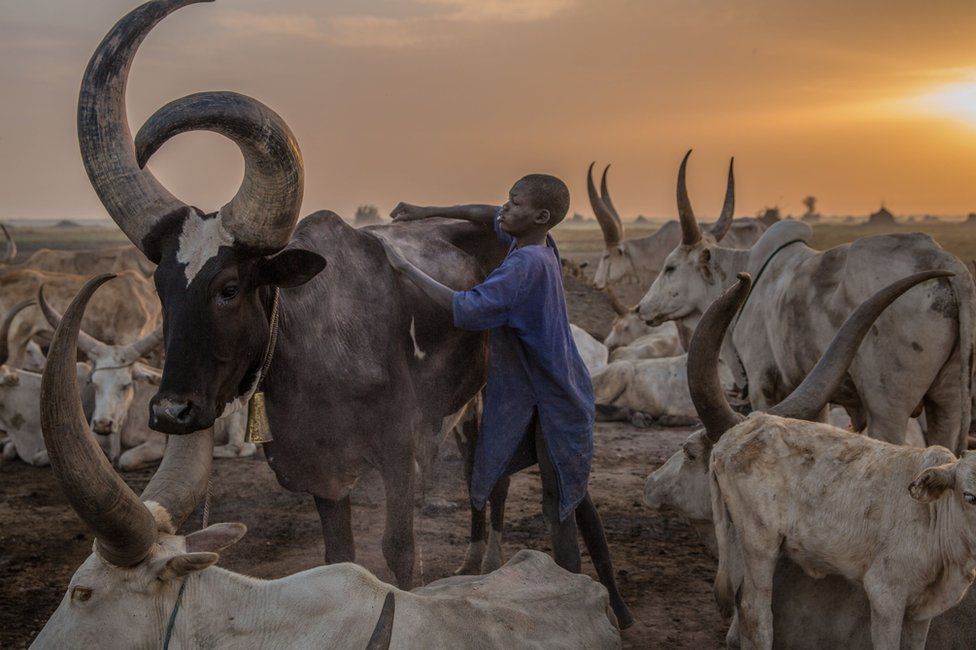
[124,594]
[593,352]
[832,502]
[640,260]
[123,386]
[649,390]
[644,341]
[923,355]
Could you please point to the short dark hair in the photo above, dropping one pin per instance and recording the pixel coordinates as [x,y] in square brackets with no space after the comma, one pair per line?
[548,193]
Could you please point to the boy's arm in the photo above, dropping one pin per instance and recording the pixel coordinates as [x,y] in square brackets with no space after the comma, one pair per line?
[443,296]
[481,214]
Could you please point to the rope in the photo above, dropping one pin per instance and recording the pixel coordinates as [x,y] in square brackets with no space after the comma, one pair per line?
[273,339]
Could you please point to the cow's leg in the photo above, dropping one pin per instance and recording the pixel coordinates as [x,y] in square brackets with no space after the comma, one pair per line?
[562,533]
[336,518]
[756,603]
[142,455]
[887,610]
[398,543]
[914,633]
[887,415]
[591,527]
[494,556]
[944,408]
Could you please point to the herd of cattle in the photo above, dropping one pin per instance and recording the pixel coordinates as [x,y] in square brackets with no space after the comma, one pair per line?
[857,535]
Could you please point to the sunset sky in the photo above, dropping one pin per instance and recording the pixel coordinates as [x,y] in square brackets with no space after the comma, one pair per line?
[447,101]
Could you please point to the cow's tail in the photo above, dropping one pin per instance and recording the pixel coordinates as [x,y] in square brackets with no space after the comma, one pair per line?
[965,292]
[724,587]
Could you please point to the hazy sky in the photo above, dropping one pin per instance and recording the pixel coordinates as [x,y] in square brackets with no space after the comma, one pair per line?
[445,101]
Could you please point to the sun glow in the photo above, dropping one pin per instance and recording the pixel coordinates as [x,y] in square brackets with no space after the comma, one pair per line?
[957,100]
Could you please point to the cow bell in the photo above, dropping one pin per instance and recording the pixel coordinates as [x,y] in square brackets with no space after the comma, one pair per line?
[258,427]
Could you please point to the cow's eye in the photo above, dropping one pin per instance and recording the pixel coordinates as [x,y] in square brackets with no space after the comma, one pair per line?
[970,498]
[688,453]
[229,291]
[668,270]
[81,594]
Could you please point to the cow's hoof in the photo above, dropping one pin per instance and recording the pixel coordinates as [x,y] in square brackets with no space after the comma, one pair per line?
[494,557]
[472,560]
[641,420]
[9,450]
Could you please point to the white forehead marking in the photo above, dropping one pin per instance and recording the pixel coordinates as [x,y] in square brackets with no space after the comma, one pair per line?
[199,242]
[417,352]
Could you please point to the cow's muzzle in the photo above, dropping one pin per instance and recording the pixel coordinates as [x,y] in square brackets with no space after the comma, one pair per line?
[177,415]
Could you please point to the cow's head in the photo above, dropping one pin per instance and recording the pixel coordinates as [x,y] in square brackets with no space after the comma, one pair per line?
[115,371]
[690,279]
[216,271]
[124,593]
[614,264]
[956,478]
[627,325]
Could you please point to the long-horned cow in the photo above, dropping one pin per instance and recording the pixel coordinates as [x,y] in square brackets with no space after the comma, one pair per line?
[808,613]
[892,518]
[919,354]
[364,365]
[640,260]
[88,262]
[144,585]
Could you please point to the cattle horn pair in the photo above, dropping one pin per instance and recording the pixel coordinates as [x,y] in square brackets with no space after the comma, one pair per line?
[813,393]
[91,346]
[690,230]
[606,215]
[125,527]
[8,319]
[265,209]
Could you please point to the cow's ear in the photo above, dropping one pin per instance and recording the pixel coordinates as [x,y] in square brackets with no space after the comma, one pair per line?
[704,261]
[932,483]
[144,373]
[290,268]
[186,563]
[215,538]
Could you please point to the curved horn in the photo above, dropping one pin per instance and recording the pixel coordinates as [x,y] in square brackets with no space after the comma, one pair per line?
[383,632]
[690,232]
[608,223]
[124,528]
[144,346]
[5,328]
[618,307]
[11,246]
[91,346]
[721,227]
[181,479]
[265,209]
[813,393]
[132,196]
[706,390]
[605,195]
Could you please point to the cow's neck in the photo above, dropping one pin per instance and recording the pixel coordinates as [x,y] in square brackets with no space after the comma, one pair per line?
[956,547]
[225,609]
[728,262]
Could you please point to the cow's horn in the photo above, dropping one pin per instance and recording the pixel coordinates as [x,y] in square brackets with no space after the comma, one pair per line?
[690,232]
[703,355]
[132,196]
[813,393]
[124,528]
[145,345]
[608,224]
[91,346]
[618,306]
[263,213]
[605,195]
[5,328]
[383,632]
[11,253]
[721,227]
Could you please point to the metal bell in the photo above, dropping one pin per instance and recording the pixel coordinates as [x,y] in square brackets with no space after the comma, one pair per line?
[258,427]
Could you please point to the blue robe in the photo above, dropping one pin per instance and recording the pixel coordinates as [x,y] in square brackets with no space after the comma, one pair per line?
[533,368]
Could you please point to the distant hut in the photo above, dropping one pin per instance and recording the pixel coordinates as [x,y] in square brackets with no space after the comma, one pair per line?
[641,219]
[367,215]
[67,223]
[930,218]
[768,216]
[971,219]
[577,218]
[882,217]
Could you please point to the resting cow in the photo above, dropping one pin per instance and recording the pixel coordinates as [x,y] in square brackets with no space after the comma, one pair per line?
[640,260]
[922,352]
[593,352]
[628,330]
[125,594]
[88,262]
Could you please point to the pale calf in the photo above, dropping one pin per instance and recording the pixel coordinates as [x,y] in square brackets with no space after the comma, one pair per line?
[593,352]
[629,330]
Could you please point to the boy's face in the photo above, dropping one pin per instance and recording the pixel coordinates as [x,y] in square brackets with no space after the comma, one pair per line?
[519,215]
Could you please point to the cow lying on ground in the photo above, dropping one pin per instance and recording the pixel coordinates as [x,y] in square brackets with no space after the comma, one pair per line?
[123,386]
[832,502]
[593,352]
[922,355]
[648,391]
[19,393]
[644,342]
[640,260]
[126,591]
[88,262]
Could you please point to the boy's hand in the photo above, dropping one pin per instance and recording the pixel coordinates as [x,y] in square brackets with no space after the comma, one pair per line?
[397,261]
[407,212]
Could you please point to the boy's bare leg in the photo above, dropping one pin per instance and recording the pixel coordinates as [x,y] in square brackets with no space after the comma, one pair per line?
[591,527]
[562,534]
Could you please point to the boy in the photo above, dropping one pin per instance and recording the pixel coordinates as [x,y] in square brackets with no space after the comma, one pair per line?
[539,399]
